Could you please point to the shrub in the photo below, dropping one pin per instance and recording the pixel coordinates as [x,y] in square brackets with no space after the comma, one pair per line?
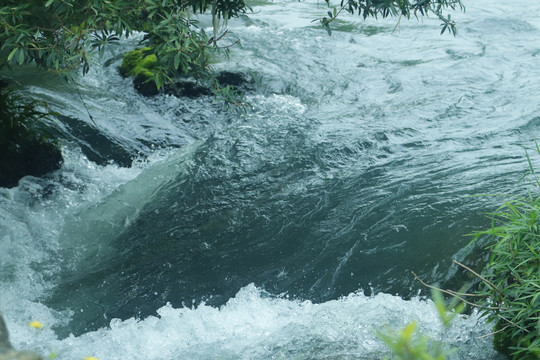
[511,286]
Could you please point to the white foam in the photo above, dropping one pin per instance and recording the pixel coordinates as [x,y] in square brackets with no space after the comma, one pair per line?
[31,218]
[254,325]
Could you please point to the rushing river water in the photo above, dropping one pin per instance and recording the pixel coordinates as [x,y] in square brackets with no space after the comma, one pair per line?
[288,232]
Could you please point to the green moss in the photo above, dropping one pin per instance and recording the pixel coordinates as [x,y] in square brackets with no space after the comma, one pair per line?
[149,62]
[139,62]
[143,72]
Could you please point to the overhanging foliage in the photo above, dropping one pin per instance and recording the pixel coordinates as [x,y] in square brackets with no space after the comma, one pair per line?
[59,35]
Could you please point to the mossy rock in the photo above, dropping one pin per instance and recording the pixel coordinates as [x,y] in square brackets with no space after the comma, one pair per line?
[141,64]
[138,61]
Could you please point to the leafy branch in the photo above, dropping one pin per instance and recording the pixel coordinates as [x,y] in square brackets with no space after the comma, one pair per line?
[401,8]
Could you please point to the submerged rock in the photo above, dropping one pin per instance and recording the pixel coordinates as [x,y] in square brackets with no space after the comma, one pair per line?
[98,146]
[6,350]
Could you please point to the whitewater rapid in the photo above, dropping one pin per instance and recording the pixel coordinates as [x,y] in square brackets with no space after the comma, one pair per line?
[287,232]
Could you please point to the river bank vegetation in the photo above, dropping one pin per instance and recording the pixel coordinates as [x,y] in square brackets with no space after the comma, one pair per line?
[506,290]
[510,287]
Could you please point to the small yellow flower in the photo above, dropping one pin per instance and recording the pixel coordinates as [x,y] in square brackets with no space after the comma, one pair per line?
[90,358]
[35,324]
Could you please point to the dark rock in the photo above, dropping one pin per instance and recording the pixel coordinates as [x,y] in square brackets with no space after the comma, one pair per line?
[27,156]
[238,81]
[6,350]
[145,86]
[187,88]
[25,148]
[192,89]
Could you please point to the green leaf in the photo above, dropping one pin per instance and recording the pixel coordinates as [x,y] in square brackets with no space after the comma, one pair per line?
[407,332]
[444,29]
[12,53]
[158,79]
[177,60]
[21,57]
[328,30]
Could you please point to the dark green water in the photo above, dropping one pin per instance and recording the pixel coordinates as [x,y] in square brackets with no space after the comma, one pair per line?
[356,166]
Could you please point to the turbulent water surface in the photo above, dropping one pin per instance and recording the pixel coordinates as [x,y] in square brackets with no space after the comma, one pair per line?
[178,230]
